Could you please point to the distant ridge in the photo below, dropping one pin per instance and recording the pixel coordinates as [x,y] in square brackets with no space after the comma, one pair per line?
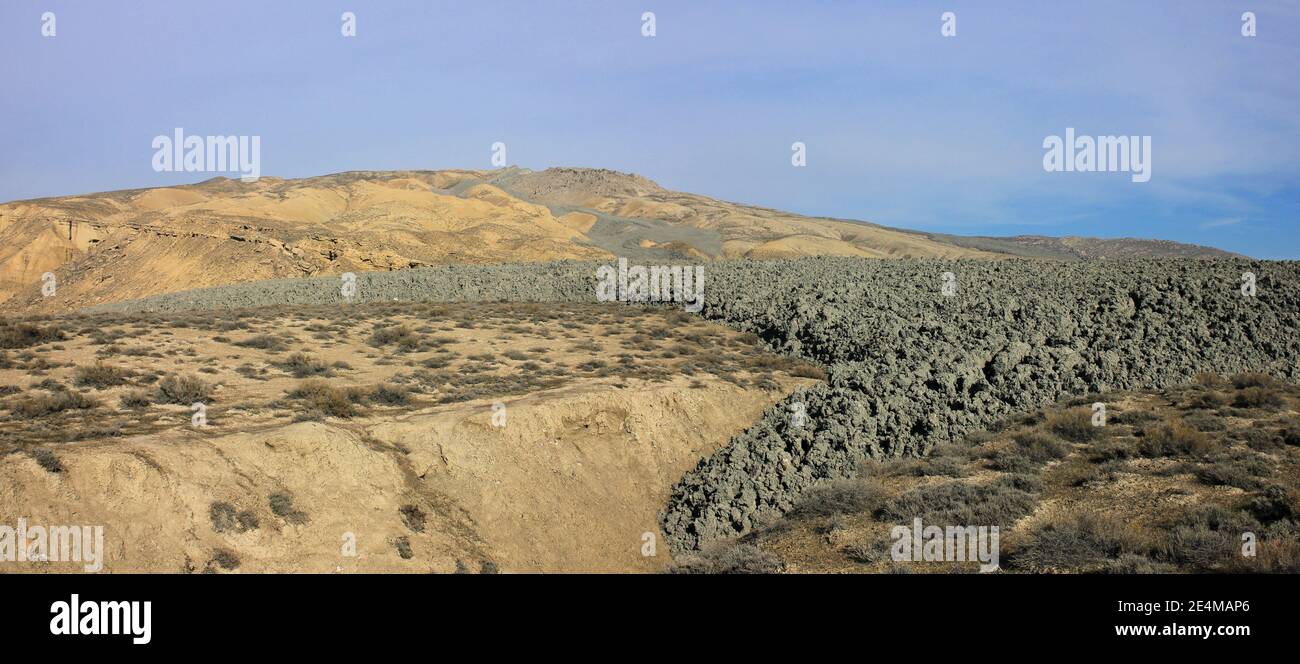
[128,244]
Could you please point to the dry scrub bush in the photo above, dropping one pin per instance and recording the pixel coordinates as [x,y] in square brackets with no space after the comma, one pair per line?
[182,390]
[323,399]
[23,335]
[1074,425]
[1259,397]
[302,365]
[733,559]
[961,504]
[1252,379]
[100,376]
[848,496]
[1174,438]
[1079,541]
[42,405]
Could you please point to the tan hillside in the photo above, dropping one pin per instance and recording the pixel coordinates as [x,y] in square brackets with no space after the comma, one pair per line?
[128,244]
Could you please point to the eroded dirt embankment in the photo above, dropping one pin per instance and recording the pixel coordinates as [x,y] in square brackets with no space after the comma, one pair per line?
[571,483]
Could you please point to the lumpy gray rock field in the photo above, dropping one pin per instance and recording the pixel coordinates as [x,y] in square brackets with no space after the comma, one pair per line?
[908,366]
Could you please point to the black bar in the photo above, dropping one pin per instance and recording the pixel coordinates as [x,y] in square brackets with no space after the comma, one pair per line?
[926,614]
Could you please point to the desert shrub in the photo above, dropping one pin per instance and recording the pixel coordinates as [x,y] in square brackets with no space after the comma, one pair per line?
[1028,449]
[1252,379]
[807,370]
[51,385]
[953,450]
[1174,438]
[1208,379]
[46,458]
[225,559]
[1208,400]
[1109,451]
[23,335]
[222,516]
[264,342]
[932,467]
[1261,439]
[1276,555]
[436,362]
[182,390]
[748,559]
[1290,433]
[247,520]
[325,399]
[1227,474]
[1205,422]
[849,496]
[729,559]
[866,553]
[42,405]
[413,517]
[302,365]
[1274,503]
[1207,536]
[1076,542]
[1074,425]
[282,506]
[1040,447]
[403,546]
[395,334]
[960,503]
[488,567]
[1010,460]
[903,467]
[1259,397]
[100,376]
[1133,417]
[1132,563]
[389,395]
[136,399]
[1076,474]
[1020,482]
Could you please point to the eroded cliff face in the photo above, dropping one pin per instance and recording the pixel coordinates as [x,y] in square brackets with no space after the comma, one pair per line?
[379,437]
[572,482]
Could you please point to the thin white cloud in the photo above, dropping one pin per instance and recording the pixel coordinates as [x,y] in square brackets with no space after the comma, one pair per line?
[1227,221]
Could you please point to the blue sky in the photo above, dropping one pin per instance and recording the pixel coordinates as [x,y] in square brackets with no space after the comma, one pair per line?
[903,126]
